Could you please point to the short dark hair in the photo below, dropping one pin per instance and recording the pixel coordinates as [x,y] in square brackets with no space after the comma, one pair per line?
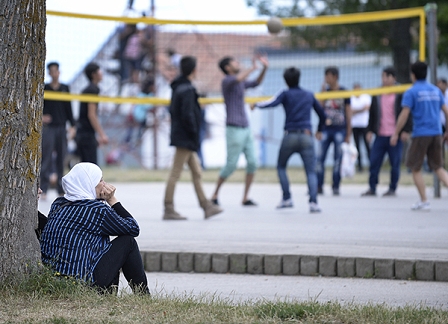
[147,85]
[442,80]
[170,51]
[187,65]
[390,70]
[420,70]
[90,69]
[292,76]
[224,62]
[49,65]
[332,70]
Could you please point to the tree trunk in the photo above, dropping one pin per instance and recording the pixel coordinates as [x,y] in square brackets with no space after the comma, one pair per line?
[22,59]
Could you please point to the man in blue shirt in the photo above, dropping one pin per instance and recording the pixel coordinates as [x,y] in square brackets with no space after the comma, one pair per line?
[424,101]
[298,135]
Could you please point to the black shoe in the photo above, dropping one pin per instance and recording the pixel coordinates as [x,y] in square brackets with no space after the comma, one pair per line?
[389,193]
[336,192]
[249,203]
[320,191]
[368,193]
[215,201]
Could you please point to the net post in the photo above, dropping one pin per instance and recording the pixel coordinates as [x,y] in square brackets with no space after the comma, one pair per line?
[431,12]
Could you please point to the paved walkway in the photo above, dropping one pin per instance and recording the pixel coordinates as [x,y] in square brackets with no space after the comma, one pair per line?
[349,225]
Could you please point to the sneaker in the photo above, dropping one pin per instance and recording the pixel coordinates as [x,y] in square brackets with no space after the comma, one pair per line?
[389,193]
[285,204]
[171,214]
[314,208]
[425,206]
[368,193]
[211,210]
[335,191]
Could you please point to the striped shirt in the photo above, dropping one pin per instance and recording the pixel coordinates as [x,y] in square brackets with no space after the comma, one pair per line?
[77,235]
[233,93]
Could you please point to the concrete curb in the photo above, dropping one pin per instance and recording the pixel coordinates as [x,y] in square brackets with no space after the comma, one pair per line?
[305,265]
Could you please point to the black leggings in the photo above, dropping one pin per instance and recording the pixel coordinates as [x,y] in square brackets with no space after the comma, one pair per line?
[124,254]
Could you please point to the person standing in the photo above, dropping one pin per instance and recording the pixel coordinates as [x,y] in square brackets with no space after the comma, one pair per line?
[337,130]
[442,84]
[424,101]
[124,33]
[55,116]
[382,122]
[298,137]
[185,128]
[88,125]
[360,106]
[239,137]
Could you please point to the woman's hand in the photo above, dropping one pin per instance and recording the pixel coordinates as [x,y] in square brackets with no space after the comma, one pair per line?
[108,193]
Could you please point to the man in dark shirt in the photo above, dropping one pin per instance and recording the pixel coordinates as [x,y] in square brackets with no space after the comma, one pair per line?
[298,137]
[185,127]
[338,129]
[239,137]
[88,125]
[54,133]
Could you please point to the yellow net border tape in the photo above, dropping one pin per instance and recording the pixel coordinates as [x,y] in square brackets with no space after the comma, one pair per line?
[320,20]
[62,96]
[300,21]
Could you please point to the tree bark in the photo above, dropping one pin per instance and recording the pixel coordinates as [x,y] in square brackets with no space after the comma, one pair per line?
[22,59]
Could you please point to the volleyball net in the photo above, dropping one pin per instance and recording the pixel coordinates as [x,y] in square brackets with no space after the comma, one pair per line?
[136,51]
[311,44]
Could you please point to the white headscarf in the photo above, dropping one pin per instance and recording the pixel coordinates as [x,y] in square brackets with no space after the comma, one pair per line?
[81,181]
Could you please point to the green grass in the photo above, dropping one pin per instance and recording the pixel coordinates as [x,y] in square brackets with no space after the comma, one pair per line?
[44,298]
[263,175]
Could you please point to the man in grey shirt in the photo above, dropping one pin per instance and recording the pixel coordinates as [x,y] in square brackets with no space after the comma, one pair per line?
[238,134]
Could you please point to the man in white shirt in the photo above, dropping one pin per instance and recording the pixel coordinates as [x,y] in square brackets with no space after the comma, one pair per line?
[360,106]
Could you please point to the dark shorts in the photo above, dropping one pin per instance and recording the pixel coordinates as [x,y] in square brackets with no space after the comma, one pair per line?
[430,146]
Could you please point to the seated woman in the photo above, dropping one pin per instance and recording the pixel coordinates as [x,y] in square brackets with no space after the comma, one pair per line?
[75,241]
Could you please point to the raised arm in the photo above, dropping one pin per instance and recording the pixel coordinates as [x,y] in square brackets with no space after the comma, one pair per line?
[245,74]
[273,102]
[117,221]
[265,62]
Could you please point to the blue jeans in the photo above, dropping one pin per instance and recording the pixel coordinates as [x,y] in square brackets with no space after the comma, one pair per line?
[380,147]
[302,144]
[337,138]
